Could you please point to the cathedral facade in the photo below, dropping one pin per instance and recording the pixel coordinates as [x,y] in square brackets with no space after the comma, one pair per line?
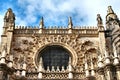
[59,53]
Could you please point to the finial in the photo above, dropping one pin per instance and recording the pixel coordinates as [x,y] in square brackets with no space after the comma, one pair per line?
[48,68]
[99,19]
[53,68]
[42,23]
[58,69]
[63,68]
[110,10]
[111,15]
[70,24]
[9,16]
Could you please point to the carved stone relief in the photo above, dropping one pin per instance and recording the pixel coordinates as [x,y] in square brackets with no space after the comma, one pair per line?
[28,46]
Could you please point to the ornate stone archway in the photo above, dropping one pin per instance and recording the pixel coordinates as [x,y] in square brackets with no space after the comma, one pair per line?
[67,47]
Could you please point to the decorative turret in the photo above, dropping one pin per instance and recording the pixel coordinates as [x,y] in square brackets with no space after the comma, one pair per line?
[112,29]
[70,24]
[111,19]
[9,20]
[9,24]
[110,14]
[9,16]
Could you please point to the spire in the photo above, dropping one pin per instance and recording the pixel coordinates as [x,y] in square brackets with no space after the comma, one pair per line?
[9,16]
[110,14]
[41,23]
[70,24]
[110,10]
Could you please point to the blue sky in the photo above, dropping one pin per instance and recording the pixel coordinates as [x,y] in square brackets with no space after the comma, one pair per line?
[56,12]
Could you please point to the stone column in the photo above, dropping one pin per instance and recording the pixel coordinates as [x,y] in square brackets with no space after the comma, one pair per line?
[40,69]
[10,64]
[18,70]
[101,68]
[24,70]
[2,64]
[92,69]
[101,73]
[108,71]
[1,75]
[116,58]
[87,73]
[118,72]
[2,59]
[108,66]
[70,68]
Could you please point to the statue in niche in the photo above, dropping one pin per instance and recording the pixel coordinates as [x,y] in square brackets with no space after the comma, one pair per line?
[99,19]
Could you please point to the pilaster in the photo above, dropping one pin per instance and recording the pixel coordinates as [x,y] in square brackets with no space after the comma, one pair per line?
[101,73]
[118,72]
[108,71]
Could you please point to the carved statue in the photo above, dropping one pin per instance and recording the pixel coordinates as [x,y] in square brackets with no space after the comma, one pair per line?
[99,19]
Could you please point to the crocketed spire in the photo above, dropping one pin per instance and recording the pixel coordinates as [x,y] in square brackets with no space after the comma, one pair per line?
[42,23]
[70,24]
[9,16]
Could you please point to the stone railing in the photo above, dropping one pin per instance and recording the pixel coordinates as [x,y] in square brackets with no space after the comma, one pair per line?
[57,73]
[79,75]
[55,31]
[54,75]
[36,30]
[32,75]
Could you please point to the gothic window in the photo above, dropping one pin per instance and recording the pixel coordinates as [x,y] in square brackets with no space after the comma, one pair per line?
[54,56]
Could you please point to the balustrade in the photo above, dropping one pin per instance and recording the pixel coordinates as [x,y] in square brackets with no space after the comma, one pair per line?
[58,73]
[81,30]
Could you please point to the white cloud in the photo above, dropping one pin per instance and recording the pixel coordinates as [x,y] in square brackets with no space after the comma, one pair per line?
[53,10]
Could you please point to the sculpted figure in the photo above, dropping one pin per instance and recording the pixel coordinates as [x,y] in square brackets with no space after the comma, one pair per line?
[99,19]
